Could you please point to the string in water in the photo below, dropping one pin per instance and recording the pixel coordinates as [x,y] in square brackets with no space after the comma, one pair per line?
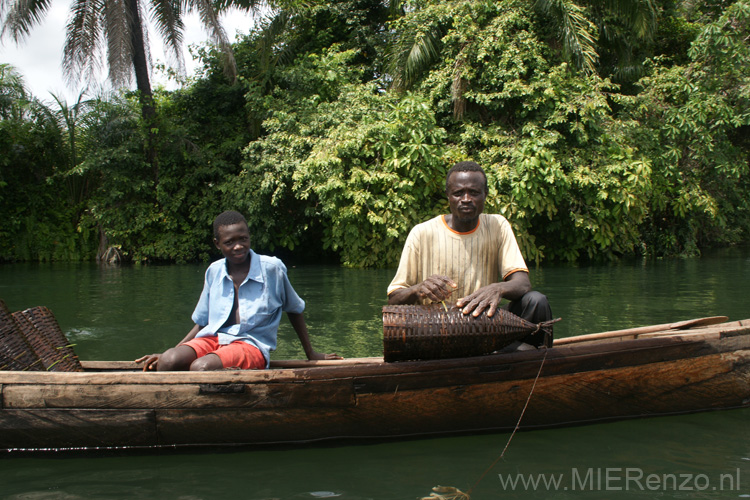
[451,493]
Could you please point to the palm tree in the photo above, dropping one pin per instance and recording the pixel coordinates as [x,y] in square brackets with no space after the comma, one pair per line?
[587,26]
[68,119]
[12,93]
[116,27]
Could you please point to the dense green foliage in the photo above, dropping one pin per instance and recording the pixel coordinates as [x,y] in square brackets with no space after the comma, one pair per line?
[606,129]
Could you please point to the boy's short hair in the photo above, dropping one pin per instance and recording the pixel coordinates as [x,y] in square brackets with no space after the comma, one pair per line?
[227,219]
[466,166]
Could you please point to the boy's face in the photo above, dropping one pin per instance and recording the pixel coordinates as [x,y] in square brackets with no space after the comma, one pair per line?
[234,242]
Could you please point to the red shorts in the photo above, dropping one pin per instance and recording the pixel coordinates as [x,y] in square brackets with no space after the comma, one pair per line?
[237,354]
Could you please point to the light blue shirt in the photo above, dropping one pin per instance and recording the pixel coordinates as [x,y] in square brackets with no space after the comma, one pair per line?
[264,294]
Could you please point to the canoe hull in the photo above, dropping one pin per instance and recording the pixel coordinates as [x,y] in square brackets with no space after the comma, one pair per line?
[583,382]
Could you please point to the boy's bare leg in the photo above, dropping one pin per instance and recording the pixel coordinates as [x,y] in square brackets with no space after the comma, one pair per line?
[177,359]
[208,362]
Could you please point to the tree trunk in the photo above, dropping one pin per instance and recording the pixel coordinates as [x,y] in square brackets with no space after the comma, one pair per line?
[141,66]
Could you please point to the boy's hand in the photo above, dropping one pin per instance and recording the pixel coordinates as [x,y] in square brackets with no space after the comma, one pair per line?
[149,361]
[319,356]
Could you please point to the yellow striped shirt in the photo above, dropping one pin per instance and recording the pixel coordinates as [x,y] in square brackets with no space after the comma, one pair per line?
[486,255]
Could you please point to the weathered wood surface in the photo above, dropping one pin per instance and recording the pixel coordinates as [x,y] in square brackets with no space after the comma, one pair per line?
[115,404]
[638,332]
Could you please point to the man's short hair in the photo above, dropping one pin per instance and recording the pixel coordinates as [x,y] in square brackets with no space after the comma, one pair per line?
[466,166]
[227,219]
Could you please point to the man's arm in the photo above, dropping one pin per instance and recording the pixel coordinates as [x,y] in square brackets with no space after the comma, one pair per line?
[298,323]
[488,297]
[436,288]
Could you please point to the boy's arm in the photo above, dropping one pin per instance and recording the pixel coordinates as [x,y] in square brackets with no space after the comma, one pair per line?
[150,360]
[191,334]
[298,323]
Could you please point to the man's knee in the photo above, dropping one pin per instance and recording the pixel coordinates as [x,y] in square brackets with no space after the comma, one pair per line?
[538,304]
[533,298]
[533,307]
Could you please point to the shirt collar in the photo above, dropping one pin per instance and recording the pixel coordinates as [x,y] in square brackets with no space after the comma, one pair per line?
[255,272]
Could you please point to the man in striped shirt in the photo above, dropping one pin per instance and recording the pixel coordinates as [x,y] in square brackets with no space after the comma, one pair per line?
[470,255]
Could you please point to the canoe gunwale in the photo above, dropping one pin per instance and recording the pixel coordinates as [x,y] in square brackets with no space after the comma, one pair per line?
[114,372]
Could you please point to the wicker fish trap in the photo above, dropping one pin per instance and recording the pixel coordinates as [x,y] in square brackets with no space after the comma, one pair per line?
[420,332]
[15,351]
[47,340]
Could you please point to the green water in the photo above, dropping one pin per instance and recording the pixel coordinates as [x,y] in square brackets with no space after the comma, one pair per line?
[124,312]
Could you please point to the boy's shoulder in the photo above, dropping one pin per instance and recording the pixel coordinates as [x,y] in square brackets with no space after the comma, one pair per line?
[270,262]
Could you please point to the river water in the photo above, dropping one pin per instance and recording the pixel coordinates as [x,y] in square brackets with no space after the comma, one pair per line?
[115,313]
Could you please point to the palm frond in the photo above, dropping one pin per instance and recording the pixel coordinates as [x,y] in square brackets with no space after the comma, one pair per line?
[638,15]
[246,5]
[270,52]
[21,16]
[11,81]
[412,54]
[118,31]
[82,50]
[52,120]
[577,32]
[209,16]
[166,16]
[12,92]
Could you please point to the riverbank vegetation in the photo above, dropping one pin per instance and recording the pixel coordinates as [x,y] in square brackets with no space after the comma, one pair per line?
[607,129]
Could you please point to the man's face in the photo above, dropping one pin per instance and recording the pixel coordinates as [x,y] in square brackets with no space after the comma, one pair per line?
[234,242]
[466,195]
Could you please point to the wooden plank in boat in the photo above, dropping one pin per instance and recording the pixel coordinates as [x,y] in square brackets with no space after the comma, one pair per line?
[565,361]
[185,395]
[260,425]
[284,363]
[711,382]
[631,333]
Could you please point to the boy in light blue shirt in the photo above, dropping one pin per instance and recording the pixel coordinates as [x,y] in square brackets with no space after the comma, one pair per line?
[239,310]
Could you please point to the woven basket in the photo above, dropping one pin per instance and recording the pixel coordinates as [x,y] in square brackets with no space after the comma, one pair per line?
[15,351]
[415,332]
[47,340]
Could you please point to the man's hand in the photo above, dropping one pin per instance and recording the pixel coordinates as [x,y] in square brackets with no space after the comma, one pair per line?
[149,362]
[436,288]
[488,297]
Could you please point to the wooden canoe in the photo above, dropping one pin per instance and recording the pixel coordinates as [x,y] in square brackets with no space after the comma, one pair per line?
[663,370]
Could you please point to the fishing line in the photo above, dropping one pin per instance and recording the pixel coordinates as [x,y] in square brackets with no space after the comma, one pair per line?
[518,424]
